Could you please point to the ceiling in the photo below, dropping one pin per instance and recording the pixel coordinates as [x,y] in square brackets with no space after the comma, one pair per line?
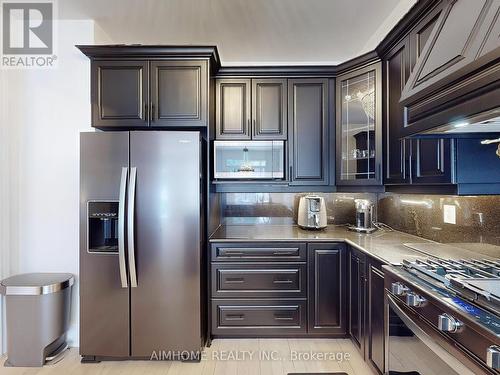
[264,32]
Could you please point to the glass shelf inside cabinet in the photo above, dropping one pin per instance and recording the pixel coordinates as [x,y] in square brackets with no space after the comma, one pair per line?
[358,127]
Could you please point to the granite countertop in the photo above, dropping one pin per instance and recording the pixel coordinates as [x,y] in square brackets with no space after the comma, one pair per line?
[384,245]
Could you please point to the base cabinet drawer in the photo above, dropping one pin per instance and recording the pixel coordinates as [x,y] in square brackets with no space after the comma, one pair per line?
[258,318]
[258,252]
[259,280]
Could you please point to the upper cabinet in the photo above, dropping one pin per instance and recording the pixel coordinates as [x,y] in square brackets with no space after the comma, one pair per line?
[359,126]
[138,86]
[456,72]
[251,109]
[269,108]
[308,124]
[233,108]
[119,93]
[179,93]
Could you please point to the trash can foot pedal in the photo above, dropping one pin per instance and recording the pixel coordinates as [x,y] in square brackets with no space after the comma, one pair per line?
[57,355]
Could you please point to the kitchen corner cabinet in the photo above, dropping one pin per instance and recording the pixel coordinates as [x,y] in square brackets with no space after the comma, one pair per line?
[375,345]
[251,109]
[136,94]
[356,298]
[366,308]
[327,288]
[308,131]
[359,126]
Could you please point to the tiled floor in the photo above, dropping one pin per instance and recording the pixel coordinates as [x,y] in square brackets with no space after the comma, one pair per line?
[255,357]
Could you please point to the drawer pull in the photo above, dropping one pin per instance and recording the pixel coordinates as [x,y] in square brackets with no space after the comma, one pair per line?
[282,317]
[286,281]
[235,317]
[234,280]
[227,252]
[285,252]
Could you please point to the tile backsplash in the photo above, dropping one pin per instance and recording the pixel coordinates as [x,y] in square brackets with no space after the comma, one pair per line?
[477,218]
[282,208]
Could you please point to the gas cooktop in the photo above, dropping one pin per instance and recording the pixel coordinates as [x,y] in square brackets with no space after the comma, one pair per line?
[477,280]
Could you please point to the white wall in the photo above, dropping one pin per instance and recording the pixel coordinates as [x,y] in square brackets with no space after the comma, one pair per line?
[43,112]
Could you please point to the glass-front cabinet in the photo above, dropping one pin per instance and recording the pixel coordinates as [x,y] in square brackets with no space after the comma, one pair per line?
[359,127]
[241,160]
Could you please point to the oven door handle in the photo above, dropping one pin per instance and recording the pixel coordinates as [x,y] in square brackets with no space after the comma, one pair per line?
[450,360]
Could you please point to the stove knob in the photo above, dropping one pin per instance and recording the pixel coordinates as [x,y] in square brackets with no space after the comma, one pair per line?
[399,289]
[493,357]
[414,300]
[447,323]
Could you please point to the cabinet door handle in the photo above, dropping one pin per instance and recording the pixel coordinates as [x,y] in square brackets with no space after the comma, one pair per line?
[281,281]
[152,112]
[146,112]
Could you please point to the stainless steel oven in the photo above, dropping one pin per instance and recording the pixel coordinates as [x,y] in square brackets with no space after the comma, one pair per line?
[413,347]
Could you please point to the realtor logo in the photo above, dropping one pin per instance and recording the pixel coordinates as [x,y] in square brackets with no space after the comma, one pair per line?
[27,34]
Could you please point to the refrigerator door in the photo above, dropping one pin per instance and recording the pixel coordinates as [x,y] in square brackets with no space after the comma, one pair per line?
[104,297]
[165,305]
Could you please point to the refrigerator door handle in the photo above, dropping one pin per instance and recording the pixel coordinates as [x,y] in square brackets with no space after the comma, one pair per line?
[131,228]
[121,228]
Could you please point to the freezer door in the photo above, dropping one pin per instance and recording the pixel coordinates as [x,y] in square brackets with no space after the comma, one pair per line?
[104,297]
[165,305]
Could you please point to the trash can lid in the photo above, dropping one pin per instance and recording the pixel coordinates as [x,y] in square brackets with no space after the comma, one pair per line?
[32,284]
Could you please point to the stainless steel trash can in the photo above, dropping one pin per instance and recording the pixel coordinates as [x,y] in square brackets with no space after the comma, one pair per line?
[38,314]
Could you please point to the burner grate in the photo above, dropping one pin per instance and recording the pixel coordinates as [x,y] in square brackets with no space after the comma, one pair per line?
[477,279]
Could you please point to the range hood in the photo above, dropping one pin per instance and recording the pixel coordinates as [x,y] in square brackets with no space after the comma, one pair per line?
[480,124]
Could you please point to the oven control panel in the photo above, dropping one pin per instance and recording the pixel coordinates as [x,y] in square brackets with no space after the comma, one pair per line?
[487,319]
[403,290]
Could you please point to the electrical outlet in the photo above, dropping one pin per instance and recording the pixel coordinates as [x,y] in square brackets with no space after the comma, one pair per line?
[449,214]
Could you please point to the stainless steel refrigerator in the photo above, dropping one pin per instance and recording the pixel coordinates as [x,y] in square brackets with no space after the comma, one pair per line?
[140,241]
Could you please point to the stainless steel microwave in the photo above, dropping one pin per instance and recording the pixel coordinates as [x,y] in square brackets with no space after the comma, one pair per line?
[249,160]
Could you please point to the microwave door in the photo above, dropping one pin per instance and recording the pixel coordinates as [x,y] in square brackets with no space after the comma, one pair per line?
[248,160]
[411,349]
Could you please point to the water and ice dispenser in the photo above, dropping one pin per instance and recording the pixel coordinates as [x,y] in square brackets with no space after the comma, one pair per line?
[102,219]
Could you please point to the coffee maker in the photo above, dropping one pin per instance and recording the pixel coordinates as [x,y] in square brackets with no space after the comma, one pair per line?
[364,216]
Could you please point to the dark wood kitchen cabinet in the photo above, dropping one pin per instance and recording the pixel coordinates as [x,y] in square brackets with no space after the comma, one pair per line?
[406,161]
[366,308]
[432,161]
[269,109]
[327,288]
[129,94]
[278,289]
[179,93]
[251,109]
[233,108]
[136,86]
[396,69]
[119,94]
[375,339]
[359,127]
[308,131]
[356,299]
